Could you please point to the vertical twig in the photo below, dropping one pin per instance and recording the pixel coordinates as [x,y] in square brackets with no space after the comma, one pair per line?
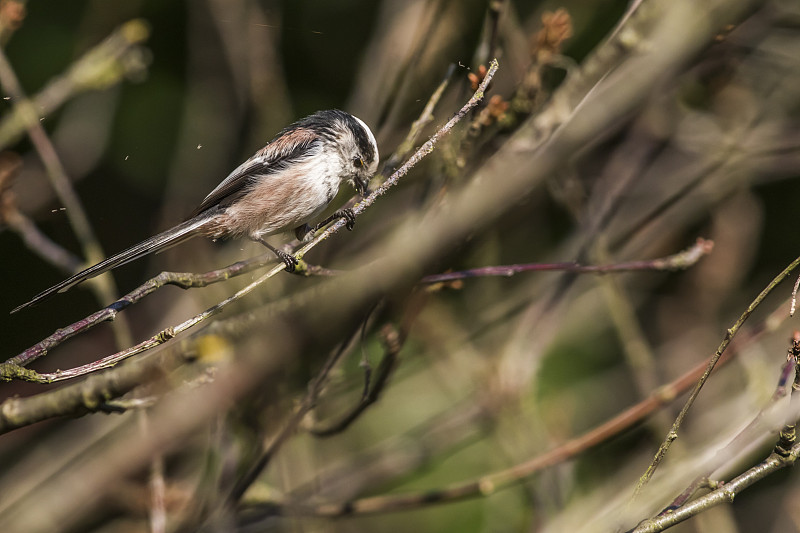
[105,288]
[155,483]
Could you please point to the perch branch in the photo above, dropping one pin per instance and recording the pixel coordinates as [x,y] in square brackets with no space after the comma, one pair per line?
[13,371]
[183,280]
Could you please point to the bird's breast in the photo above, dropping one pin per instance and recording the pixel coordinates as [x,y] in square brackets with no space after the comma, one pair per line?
[279,201]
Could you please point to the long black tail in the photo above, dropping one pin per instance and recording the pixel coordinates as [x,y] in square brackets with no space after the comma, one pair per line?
[182,232]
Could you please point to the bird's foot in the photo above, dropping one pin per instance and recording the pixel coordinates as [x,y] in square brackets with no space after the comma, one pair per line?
[347,214]
[288,259]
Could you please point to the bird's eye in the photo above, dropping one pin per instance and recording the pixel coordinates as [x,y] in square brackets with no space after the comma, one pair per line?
[358,162]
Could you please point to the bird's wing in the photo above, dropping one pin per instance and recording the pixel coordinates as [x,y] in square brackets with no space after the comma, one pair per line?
[285,149]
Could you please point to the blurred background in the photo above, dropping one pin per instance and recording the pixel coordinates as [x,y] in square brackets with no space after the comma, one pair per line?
[493,371]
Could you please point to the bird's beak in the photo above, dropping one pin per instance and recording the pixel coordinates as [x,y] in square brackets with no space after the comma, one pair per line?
[361,185]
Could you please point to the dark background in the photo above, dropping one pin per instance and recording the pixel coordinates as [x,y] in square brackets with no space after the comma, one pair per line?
[222,78]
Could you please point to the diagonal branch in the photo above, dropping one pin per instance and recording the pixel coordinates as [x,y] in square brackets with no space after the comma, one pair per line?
[12,371]
[729,335]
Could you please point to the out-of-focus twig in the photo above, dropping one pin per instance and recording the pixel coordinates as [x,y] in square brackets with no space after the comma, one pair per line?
[104,287]
[23,226]
[155,484]
[495,11]
[424,119]
[679,261]
[293,421]
[491,483]
[41,244]
[392,345]
[118,56]
[83,397]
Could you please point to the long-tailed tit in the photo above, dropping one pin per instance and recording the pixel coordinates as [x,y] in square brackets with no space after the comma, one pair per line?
[283,186]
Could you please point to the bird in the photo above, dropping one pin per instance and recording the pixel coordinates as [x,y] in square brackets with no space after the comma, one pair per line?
[283,186]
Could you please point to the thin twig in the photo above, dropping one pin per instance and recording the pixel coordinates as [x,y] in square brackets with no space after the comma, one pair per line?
[424,119]
[105,288]
[491,483]
[679,261]
[13,371]
[8,372]
[393,342]
[724,494]
[673,433]
[118,56]
[747,435]
[293,421]
[184,280]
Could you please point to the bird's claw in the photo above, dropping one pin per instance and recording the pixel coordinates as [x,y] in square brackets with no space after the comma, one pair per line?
[347,214]
[350,218]
[289,260]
